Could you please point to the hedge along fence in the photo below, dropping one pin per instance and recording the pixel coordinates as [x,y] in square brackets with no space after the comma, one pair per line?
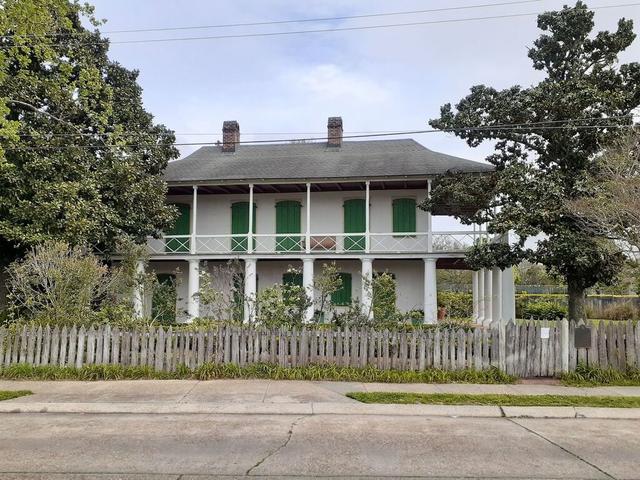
[518,349]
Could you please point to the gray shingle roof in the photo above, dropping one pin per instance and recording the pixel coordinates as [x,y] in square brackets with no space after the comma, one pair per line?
[293,161]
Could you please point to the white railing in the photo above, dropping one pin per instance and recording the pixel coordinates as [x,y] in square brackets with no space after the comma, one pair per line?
[342,243]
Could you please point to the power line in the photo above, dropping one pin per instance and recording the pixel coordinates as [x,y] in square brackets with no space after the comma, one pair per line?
[629,116]
[320,30]
[284,22]
[316,139]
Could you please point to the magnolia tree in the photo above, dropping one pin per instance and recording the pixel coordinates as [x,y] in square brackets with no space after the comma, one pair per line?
[547,137]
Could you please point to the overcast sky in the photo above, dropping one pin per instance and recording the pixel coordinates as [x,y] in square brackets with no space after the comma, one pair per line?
[387,79]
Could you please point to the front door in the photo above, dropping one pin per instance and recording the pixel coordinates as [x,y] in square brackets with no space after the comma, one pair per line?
[240,225]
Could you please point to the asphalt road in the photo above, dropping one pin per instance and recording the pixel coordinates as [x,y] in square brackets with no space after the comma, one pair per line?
[336,446]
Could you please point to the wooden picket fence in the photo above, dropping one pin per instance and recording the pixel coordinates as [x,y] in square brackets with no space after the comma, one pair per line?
[519,349]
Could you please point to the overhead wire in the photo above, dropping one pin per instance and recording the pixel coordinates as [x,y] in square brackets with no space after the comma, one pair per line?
[300,32]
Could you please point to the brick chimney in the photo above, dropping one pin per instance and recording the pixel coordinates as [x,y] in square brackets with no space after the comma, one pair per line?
[230,135]
[334,132]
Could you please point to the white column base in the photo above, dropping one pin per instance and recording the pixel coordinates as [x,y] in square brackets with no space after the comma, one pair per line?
[508,296]
[480,318]
[250,293]
[193,287]
[307,282]
[366,298]
[488,308]
[496,290]
[430,291]
[474,295]
[138,291]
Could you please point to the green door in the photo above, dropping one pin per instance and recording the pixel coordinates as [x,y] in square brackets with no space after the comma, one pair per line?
[404,215]
[164,298]
[240,225]
[292,278]
[354,222]
[182,226]
[342,296]
[288,221]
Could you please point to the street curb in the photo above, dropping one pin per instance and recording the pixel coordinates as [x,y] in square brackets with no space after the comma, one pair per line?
[323,408]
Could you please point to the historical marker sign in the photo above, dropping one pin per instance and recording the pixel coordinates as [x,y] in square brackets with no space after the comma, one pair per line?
[582,337]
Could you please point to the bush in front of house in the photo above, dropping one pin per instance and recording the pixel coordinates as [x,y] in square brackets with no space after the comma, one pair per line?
[544,310]
[458,304]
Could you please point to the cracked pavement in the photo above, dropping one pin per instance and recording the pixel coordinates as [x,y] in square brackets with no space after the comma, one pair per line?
[106,446]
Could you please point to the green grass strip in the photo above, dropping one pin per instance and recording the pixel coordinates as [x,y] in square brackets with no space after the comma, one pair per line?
[495,399]
[210,371]
[9,394]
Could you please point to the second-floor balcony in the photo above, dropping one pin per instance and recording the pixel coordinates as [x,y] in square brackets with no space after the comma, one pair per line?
[317,243]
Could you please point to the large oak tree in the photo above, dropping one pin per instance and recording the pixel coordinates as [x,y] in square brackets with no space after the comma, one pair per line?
[81,160]
[582,104]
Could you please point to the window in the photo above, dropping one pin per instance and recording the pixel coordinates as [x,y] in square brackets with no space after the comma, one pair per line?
[404,215]
[292,278]
[343,295]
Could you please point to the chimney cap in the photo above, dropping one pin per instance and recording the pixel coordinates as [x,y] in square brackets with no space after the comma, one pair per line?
[229,125]
[334,122]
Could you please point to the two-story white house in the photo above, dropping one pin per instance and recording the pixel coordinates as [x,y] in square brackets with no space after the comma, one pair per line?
[352,202]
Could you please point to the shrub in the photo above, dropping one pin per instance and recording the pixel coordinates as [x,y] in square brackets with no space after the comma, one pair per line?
[585,376]
[619,311]
[458,304]
[544,310]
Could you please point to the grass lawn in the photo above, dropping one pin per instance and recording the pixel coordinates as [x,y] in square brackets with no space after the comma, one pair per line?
[495,399]
[8,395]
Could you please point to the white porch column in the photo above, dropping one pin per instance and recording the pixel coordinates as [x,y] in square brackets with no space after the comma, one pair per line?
[307,282]
[496,290]
[366,299]
[508,296]
[488,309]
[194,219]
[480,274]
[307,240]
[251,220]
[430,291]
[429,222]
[367,239]
[138,291]
[474,294]
[250,286]
[193,287]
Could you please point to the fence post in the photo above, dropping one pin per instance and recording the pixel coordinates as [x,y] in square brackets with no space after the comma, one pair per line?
[564,345]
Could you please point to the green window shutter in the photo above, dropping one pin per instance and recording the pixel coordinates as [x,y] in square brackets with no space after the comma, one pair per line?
[240,225]
[343,295]
[354,222]
[182,226]
[404,215]
[292,278]
[288,221]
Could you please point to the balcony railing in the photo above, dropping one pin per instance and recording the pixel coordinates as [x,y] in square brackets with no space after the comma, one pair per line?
[316,243]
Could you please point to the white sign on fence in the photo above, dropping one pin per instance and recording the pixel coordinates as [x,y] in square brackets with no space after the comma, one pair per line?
[544,332]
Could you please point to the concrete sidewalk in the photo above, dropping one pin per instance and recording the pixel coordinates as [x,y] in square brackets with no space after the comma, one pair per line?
[271,397]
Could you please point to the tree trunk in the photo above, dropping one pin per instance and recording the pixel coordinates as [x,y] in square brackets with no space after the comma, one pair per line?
[577,295]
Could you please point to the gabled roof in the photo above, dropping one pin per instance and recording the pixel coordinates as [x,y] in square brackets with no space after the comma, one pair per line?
[316,161]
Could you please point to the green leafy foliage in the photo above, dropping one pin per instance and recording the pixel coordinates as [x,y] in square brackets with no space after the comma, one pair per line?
[543,310]
[586,376]
[539,169]
[80,159]
[457,304]
[211,371]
